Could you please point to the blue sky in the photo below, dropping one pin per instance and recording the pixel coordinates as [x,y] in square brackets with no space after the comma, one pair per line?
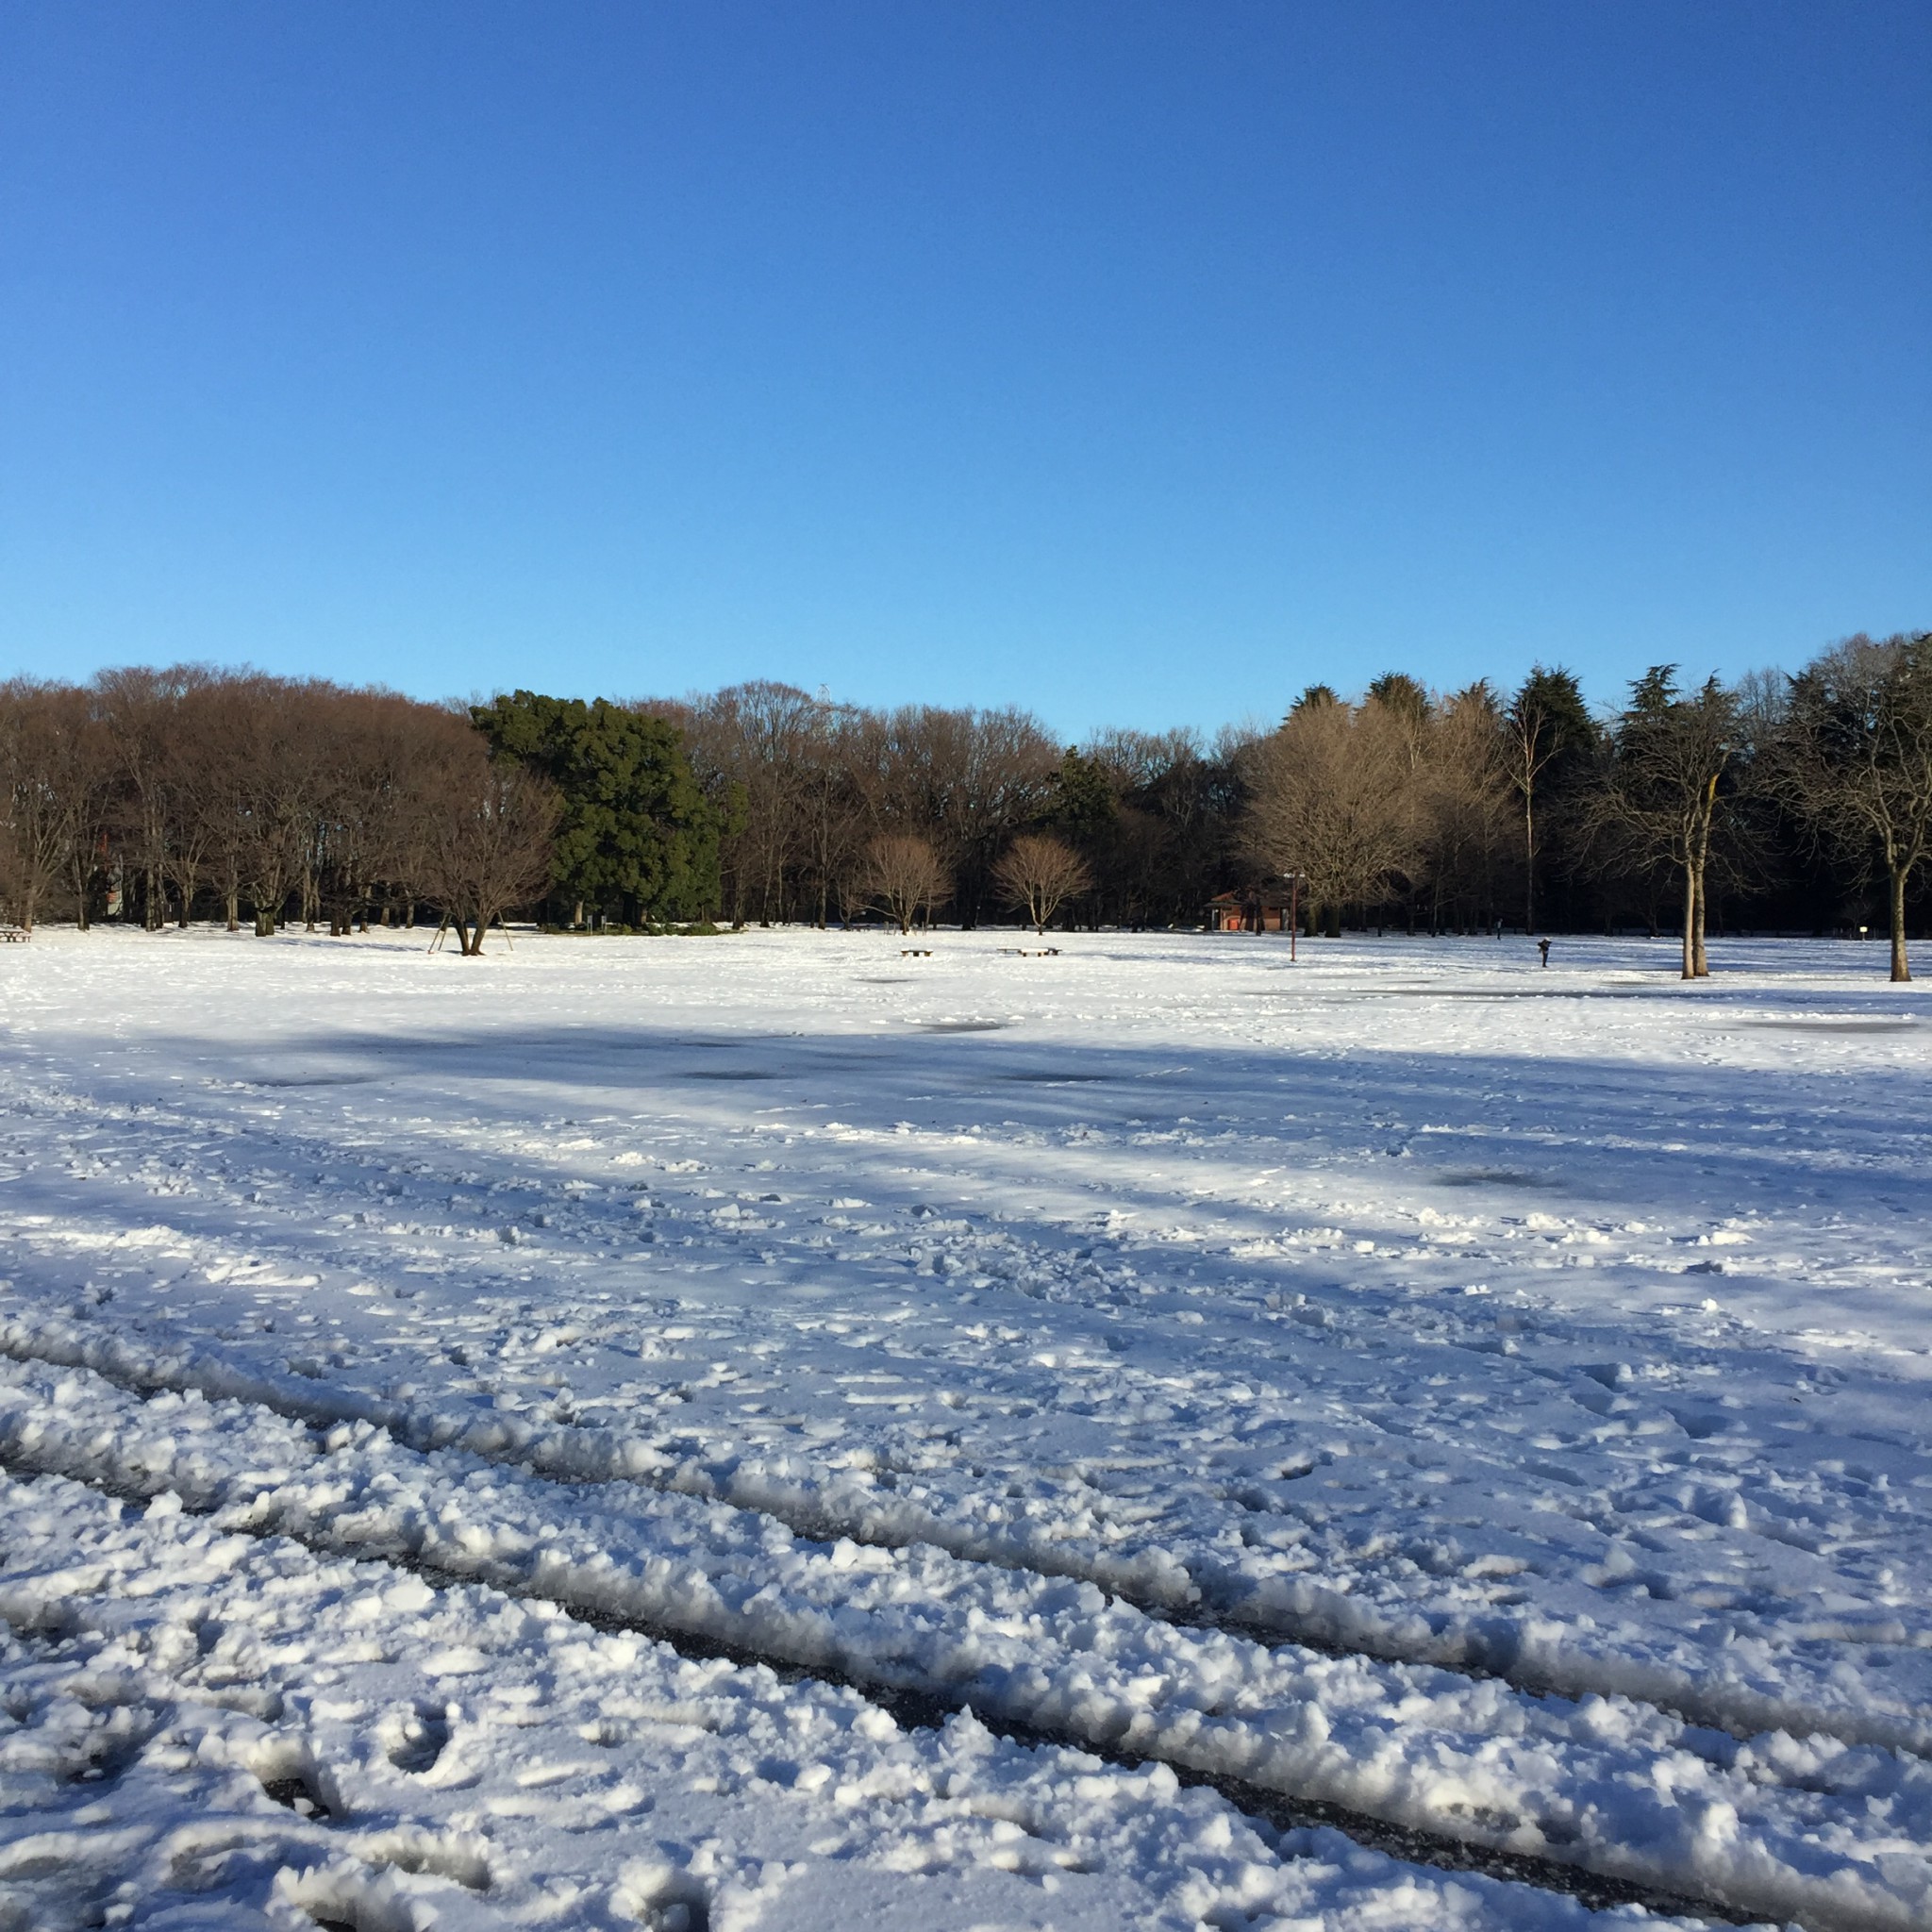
[1135,363]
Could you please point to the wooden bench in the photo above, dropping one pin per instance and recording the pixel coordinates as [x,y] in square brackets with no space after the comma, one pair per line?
[14,935]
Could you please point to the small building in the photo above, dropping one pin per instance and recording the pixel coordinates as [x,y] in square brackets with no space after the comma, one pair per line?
[1263,909]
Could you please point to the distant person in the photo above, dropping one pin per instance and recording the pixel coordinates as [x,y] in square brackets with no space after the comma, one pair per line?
[1543,946]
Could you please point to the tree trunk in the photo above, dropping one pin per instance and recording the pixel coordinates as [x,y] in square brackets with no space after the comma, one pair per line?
[1690,920]
[1699,959]
[234,898]
[1528,861]
[1901,966]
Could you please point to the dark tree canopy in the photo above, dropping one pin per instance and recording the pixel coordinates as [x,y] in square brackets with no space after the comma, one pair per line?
[1084,799]
[1555,699]
[637,840]
[1406,696]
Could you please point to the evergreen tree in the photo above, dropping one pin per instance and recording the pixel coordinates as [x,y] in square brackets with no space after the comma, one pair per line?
[1084,801]
[1406,696]
[637,840]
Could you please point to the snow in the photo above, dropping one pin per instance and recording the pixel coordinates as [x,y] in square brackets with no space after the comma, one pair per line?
[547,1416]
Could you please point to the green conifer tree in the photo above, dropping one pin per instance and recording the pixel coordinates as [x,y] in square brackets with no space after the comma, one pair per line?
[637,840]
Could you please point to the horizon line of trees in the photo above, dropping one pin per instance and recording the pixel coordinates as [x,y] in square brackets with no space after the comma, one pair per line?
[1799,803]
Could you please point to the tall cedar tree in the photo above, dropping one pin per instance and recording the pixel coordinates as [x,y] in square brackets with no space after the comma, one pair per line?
[637,840]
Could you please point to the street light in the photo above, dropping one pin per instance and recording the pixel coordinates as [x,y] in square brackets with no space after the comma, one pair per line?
[1294,921]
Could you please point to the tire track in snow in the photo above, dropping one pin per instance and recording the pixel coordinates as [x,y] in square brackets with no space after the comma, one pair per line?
[925,1711]
[1156,1584]
[236,1645]
[340,1515]
[1538,1653]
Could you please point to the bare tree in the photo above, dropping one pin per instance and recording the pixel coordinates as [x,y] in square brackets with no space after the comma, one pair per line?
[369,740]
[1004,779]
[1334,798]
[963,780]
[1663,795]
[188,778]
[277,783]
[831,810]
[37,726]
[1407,705]
[486,830]
[143,711]
[133,703]
[1464,799]
[233,720]
[1854,757]
[82,771]
[1041,873]
[903,875]
[758,740]
[1545,720]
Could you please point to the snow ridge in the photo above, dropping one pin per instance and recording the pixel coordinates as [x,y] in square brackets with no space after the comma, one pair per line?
[192,1758]
[1538,1658]
[1805,1830]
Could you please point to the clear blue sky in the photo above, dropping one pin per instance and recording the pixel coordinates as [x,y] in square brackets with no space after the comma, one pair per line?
[1137,363]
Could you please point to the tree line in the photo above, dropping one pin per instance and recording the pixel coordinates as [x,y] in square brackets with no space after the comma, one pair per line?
[1781,803]
[163,796]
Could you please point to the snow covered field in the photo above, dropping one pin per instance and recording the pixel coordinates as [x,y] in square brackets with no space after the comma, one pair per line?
[566,1439]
